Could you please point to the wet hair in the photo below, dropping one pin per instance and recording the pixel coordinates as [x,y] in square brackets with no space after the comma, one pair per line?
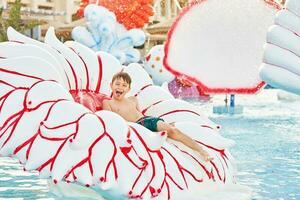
[122,75]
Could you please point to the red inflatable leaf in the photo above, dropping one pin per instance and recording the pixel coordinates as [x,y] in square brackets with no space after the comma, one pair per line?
[83,4]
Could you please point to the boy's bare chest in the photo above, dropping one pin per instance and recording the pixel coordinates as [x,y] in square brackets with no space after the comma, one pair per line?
[123,108]
[127,110]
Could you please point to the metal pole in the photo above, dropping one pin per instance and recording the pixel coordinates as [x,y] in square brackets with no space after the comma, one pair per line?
[232,100]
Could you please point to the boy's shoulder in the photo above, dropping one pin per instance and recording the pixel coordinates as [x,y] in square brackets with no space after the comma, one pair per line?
[106,101]
[132,98]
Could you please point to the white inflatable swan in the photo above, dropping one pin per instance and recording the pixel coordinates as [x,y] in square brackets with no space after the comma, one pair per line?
[43,87]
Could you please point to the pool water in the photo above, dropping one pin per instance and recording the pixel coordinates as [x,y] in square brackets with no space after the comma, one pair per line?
[267,146]
[267,151]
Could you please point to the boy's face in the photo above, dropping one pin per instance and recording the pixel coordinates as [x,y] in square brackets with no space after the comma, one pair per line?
[119,88]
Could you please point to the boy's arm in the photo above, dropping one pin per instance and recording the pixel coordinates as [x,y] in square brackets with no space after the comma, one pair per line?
[106,105]
[137,104]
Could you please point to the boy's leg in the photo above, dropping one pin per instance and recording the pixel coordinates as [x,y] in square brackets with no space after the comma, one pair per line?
[177,135]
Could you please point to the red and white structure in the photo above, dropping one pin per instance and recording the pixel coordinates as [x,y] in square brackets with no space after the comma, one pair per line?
[217,44]
[51,120]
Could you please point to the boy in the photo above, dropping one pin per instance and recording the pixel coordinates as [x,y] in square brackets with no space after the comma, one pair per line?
[128,108]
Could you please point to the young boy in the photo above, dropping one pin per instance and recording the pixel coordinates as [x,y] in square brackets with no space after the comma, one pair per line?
[128,108]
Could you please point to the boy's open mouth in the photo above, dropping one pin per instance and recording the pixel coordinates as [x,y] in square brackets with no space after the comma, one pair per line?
[119,92]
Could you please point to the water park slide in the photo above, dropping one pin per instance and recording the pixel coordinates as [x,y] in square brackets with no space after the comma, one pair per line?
[51,120]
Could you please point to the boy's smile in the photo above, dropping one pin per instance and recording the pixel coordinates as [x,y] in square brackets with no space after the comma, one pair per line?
[119,89]
[119,92]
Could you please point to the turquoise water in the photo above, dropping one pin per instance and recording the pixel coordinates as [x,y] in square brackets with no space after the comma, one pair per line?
[267,146]
[267,150]
[17,184]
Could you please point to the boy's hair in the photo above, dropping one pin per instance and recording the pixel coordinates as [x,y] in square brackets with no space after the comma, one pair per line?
[123,75]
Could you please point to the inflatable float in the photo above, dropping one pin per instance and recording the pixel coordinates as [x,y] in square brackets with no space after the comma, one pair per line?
[51,120]
[281,60]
